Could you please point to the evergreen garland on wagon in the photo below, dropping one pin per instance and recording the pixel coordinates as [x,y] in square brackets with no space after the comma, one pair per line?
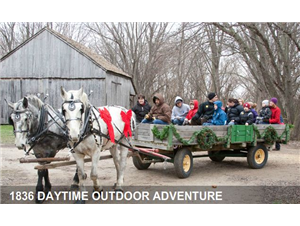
[206,137]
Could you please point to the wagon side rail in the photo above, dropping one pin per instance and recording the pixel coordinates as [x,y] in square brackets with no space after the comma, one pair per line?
[206,137]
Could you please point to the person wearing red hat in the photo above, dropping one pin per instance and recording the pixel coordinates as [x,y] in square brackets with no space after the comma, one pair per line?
[246,116]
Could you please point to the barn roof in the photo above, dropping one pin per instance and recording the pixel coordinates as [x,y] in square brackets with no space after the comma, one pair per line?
[85,51]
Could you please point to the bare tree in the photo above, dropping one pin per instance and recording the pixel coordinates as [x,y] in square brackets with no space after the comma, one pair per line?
[272,57]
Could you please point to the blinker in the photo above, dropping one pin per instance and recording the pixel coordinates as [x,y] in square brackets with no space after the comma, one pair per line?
[71,106]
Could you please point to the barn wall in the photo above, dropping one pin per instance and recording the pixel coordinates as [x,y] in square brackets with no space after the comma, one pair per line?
[118,90]
[46,63]
[47,56]
[15,89]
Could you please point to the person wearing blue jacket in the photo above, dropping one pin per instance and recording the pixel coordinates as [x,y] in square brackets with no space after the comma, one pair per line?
[219,116]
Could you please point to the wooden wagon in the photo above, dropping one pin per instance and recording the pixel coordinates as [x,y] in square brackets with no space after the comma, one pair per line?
[178,144]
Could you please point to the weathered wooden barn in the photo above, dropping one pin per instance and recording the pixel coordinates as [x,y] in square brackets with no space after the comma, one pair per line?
[49,60]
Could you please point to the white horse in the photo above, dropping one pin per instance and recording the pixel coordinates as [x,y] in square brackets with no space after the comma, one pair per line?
[88,134]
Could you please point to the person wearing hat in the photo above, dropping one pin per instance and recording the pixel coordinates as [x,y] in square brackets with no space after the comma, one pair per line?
[264,113]
[160,113]
[246,116]
[219,116]
[276,112]
[141,108]
[275,117]
[179,111]
[205,111]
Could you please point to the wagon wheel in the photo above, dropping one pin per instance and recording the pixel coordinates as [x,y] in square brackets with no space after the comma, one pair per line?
[137,162]
[213,155]
[257,156]
[183,163]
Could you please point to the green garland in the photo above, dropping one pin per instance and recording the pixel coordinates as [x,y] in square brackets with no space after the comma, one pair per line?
[206,138]
[270,135]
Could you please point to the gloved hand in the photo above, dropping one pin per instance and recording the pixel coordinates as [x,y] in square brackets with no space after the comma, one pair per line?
[206,116]
[266,120]
[186,122]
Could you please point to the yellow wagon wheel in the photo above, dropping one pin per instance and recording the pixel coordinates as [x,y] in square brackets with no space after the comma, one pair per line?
[183,163]
[257,156]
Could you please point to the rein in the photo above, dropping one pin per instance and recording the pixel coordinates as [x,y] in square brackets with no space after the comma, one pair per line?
[43,127]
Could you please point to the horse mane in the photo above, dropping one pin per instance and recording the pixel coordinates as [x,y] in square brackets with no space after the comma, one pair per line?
[84,99]
[35,101]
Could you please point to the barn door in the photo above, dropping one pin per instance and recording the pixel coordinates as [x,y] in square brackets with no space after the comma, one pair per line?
[116,98]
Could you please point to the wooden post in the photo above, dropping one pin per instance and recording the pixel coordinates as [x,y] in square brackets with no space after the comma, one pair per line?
[30,160]
[170,139]
[55,165]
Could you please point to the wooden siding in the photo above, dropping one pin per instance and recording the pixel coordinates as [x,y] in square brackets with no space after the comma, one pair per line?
[15,89]
[48,57]
[45,63]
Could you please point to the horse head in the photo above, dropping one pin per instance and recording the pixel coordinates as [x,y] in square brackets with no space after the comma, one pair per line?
[24,118]
[73,108]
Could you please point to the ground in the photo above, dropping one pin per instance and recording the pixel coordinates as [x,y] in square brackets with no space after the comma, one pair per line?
[282,169]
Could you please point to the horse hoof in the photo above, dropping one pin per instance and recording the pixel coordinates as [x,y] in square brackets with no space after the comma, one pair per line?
[80,202]
[39,201]
[74,187]
[118,188]
[97,194]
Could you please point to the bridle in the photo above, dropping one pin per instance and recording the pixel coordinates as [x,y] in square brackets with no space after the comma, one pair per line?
[72,107]
[42,127]
[16,114]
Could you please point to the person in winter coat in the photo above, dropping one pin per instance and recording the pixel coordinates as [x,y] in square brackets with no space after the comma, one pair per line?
[264,113]
[233,112]
[246,116]
[253,106]
[179,111]
[205,110]
[160,113]
[275,117]
[141,108]
[192,112]
[276,112]
[219,116]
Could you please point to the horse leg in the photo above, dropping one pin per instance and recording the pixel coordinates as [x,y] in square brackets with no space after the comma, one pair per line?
[75,184]
[79,158]
[39,187]
[94,174]
[115,154]
[47,181]
[120,160]
[122,166]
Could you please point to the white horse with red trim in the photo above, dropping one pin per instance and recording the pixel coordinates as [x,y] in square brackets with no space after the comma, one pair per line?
[92,130]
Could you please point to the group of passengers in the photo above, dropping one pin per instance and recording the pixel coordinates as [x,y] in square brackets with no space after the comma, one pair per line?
[210,112]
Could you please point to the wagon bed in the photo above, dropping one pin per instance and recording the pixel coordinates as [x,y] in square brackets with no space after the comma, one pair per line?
[144,137]
[161,143]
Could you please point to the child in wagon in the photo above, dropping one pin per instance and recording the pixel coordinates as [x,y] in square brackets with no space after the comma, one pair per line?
[219,116]
[192,112]
[246,116]
[264,114]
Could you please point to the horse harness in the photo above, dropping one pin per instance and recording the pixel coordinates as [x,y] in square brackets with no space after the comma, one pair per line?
[43,125]
[87,125]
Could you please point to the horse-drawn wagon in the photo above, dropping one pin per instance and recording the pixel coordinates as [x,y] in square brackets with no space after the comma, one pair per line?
[179,144]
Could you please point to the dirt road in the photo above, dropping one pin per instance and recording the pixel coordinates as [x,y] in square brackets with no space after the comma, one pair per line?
[282,169]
